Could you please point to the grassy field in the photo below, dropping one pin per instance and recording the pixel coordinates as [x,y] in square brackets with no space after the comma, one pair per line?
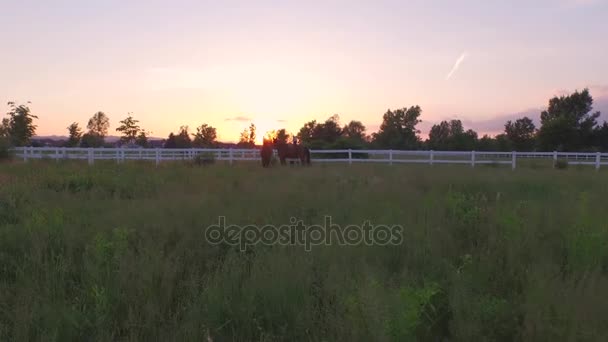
[118,252]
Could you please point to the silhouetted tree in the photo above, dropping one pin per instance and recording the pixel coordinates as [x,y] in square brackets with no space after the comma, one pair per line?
[171,141]
[568,124]
[21,126]
[205,136]
[142,139]
[129,130]
[451,136]
[521,133]
[486,143]
[329,131]
[280,135]
[98,129]
[355,131]
[99,124]
[398,129]
[74,135]
[247,138]
[182,139]
[91,139]
[503,144]
[5,128]
[600,138]
[306,133]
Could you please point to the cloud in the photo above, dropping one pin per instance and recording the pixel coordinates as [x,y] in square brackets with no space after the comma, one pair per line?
[281,121]
[456,65]
[239,118]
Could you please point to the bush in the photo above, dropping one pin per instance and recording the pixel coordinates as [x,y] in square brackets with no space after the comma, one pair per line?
[561,164]
[204,158]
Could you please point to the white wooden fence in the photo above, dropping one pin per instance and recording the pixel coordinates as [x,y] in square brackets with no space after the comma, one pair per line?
[346,156]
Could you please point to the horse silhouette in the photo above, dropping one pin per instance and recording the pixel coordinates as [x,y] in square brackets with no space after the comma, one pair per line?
[266,152]
[292,151]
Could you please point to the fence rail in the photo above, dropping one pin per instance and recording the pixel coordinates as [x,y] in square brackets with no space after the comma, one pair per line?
[345,156]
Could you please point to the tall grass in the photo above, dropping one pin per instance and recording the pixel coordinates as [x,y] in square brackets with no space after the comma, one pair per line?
[118,252]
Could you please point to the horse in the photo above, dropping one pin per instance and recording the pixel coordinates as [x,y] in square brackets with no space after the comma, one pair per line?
[266,152]
[292,151]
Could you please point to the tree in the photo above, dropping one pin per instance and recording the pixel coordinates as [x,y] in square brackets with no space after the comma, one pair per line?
[354,131]
[129,130]
[601,137]
[486,143]
[306,133]
[451,136]
[330,130]
[252,134]
[99,124]
[568,124]
[503,144]
[142,139]
[205,136]
[21,126]
[75,134]
[280,135]
[91,139]
[325,135]
[521,133]
[170,142]
[439,136]
[398,129]
[247,138]
[5,128]
[182,139]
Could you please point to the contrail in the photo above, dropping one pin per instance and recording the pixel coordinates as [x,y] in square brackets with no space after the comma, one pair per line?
[456,65]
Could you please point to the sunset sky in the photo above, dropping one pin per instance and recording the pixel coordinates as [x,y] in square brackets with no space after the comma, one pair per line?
[279,64]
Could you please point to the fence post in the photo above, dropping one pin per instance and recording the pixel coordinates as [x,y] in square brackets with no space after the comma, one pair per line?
[598,158]
[90,156]
[231,155]
[25,154]
[57,154]
[513,160]
[390,157]
[554,158]
[117,156]
[472,158]
[431,157]
[157,156]
[350,156]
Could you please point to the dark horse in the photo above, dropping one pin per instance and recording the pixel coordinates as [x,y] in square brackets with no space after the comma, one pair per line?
[286,150]
[266,153]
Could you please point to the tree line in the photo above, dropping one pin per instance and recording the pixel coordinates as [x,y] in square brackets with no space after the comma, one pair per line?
[568,124]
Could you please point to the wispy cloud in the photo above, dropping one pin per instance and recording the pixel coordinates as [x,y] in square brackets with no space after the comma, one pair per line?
[456,65]
[238,118]
[281,121]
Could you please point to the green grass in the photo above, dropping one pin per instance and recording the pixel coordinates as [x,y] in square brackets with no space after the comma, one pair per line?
[118,252]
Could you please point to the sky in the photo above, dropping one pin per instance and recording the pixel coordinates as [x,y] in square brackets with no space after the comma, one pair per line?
[279,64]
